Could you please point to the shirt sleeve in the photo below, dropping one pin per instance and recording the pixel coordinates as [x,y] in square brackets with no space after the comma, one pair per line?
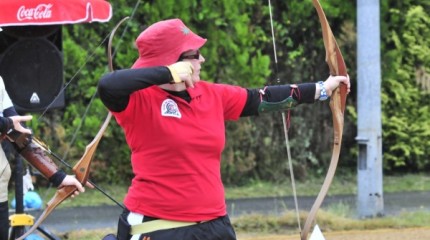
[234,99]
[5,125]
[116,87]
[277,93]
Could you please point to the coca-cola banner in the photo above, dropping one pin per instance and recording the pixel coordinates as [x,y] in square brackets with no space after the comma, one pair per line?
[47,12]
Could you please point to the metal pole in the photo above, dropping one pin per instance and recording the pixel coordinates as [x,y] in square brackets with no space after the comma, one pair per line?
[19,195]
[370,201]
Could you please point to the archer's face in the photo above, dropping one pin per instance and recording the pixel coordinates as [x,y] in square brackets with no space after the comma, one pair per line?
[196,59]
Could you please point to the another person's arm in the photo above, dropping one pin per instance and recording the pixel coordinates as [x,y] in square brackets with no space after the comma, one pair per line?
[32,152]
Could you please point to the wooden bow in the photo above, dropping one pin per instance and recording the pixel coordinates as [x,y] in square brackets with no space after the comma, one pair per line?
[82,168]
[337,67]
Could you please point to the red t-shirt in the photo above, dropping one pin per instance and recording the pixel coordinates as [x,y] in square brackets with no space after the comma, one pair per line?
[176,150]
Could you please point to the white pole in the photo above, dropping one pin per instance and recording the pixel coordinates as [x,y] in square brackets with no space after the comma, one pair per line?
[370,201]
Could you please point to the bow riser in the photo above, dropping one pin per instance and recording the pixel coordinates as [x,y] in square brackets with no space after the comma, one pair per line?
[81,169]
[343,89]
[338,116]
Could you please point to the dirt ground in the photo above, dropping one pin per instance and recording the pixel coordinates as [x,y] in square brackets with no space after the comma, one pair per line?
[380,234]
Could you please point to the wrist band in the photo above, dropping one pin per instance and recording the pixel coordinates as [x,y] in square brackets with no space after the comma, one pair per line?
[323,92]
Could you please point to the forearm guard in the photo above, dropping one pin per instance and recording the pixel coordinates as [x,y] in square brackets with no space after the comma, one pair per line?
[38,159]
[33,153]
[285,104]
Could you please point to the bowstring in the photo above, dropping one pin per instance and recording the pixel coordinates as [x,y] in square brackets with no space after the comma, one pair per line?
[83,117]
[117,46]
[66,85]
[90,56]
[284,122]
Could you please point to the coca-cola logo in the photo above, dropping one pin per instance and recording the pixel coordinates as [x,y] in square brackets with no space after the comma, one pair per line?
[41,11]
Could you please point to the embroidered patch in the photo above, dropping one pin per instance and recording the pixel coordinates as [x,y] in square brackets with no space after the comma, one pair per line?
[169,108]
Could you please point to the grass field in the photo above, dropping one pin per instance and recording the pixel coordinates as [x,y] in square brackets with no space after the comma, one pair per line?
[342,185]
[336,223]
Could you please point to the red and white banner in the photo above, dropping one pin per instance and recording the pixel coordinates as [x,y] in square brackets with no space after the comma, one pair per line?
[50,12]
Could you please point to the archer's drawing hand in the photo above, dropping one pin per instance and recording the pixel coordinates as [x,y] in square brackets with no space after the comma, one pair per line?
[182,72]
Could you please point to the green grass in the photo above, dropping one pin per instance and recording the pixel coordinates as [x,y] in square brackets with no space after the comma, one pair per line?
[410,182]
[338,217]
[286,224]
[340,185]
[91,197]
[327,220]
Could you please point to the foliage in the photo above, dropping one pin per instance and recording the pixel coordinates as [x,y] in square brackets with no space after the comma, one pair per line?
[406,115]
[342,185]
[300,55]
[240,51]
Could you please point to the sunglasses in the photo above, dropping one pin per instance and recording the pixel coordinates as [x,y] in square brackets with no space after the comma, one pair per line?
[195,55]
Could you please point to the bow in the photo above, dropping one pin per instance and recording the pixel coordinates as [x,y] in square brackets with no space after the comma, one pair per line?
[45,148]
[82,168]
[337,67]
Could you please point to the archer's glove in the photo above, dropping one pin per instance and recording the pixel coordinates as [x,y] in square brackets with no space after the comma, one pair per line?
[181,71]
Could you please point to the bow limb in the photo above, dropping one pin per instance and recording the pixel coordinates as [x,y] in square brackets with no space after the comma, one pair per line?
[82,167]
[337,67]
[61,195]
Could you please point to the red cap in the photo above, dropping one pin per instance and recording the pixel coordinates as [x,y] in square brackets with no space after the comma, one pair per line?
[163,42]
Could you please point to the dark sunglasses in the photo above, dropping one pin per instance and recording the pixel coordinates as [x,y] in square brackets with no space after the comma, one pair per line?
[195,55]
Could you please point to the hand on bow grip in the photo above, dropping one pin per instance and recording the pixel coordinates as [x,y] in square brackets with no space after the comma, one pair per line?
[333,82]
[70,180]
[182,72]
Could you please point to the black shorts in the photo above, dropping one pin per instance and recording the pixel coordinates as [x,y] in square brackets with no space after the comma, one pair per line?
[217,229]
